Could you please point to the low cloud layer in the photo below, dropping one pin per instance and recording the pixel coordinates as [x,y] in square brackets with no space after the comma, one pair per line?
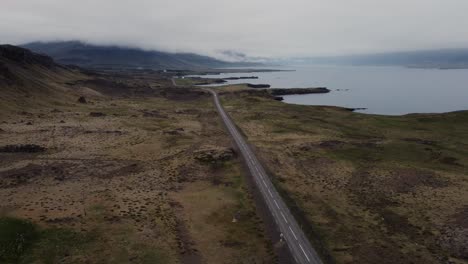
[268,28]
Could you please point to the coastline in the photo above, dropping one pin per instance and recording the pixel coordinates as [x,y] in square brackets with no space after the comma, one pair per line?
[367,87]
[346,175]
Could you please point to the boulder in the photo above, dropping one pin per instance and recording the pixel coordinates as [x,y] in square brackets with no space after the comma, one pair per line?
[212,154]
[82,100]
[258,85]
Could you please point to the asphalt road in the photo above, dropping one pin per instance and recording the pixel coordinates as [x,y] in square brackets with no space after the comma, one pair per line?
[298,244]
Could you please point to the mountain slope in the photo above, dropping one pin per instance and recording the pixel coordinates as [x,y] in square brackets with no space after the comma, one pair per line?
[86,55]
[28,79]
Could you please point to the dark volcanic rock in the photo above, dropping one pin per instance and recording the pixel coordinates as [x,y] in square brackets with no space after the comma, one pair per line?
[82,100]
[96,114]
[28,148]
[258,85]
[278,98]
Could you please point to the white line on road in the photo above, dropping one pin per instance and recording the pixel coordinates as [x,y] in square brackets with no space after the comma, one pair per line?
[292,232]
[284,217]
[258,173]
[304,253]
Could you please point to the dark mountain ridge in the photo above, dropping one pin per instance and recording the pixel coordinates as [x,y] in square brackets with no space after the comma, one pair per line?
[94,56]
[28,79]
[24,56]
[13,59]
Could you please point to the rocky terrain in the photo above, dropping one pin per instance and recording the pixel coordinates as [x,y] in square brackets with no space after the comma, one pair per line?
[124,167]
[366,188]
[117,167]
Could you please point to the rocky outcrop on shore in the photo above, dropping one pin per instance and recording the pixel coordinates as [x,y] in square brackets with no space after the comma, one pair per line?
[277,93]
[241,78]
[258,85]
[289,91]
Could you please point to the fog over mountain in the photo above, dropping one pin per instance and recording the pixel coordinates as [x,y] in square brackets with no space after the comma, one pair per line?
[94,56]
[260,28]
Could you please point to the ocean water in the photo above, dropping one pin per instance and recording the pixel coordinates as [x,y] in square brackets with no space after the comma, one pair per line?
[382,90]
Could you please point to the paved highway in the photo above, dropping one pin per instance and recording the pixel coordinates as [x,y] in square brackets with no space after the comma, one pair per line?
[298,244]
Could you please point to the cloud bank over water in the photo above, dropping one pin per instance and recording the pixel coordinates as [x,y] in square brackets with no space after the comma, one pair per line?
[265,28]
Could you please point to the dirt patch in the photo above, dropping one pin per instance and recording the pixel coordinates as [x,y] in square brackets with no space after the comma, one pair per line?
[406,180]
[182,94]
[366,188]
[397,223]
[16,177]
[450,161]
[420,141]
[331,144]
[28,148]
[188,252]
[61,171]
[335,145]
[96,114]
[382,254]
[455,241]
[114,88]
[125,170]
[460,219]
[153,113]
[454,237]
[368,184]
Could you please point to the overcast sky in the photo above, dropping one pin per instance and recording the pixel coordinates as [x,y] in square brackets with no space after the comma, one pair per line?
[270,28]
